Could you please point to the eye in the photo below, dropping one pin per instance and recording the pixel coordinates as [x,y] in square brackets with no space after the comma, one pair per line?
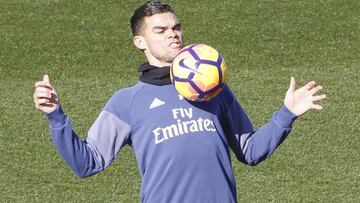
[177,28]
[160,31]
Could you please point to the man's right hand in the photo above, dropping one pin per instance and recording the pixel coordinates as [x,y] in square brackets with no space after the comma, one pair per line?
[45,97]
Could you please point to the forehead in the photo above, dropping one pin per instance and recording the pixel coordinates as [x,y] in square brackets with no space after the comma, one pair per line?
[161,19]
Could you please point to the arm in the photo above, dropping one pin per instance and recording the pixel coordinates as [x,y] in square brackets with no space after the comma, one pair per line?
[77,154]
[100,147]
[251,147]
[103,142]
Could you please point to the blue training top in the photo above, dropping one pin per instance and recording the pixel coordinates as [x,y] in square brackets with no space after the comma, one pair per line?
[181,147]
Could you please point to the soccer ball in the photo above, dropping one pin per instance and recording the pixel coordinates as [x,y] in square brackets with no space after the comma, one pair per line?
[198,72]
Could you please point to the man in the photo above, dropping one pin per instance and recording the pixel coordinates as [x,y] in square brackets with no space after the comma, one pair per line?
[181,147]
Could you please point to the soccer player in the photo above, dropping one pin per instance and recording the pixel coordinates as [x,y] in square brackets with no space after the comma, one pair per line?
[182,148]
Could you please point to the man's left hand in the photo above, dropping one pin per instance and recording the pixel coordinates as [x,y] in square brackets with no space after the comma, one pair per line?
[299,101]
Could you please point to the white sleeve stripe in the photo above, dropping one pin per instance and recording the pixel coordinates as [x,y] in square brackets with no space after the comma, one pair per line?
[243,141]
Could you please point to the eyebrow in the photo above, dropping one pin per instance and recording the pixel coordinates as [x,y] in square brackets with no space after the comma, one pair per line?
[165,27]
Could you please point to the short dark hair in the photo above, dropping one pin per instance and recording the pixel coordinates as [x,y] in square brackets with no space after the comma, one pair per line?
[148,9]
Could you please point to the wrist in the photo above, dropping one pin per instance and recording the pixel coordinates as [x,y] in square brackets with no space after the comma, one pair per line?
[56,118]
[285,117]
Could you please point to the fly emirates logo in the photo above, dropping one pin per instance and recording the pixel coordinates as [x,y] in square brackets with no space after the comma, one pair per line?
[185,124]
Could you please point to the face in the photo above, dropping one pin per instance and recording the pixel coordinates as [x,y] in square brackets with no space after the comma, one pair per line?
[161,38]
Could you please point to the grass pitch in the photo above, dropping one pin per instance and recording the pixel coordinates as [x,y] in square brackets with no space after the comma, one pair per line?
[85,47]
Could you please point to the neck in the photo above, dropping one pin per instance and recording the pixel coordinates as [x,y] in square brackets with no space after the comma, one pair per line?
[155,62]
[159,64]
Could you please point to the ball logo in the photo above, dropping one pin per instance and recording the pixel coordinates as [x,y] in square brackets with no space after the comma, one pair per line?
[192,67]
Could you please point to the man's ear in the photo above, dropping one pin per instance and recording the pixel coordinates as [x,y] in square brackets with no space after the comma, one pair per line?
[139,42]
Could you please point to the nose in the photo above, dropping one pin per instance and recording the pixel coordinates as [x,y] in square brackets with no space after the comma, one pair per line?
[172,33]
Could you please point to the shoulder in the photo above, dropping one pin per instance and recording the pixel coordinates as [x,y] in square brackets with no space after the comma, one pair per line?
[220,104]
[226,96]
[121,101]
[126,94]
[228,101]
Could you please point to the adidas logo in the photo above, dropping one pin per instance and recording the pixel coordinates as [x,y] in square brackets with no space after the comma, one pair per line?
[156,103]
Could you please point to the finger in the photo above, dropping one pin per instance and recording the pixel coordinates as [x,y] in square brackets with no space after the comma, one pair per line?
[309,85]
[319,97]
[42,101]
[42,91]
[46,80]
[46,95]
[315,89]
[37,106]
[42,84]
[40,107]
[316,106]
[292,85]
[42,104]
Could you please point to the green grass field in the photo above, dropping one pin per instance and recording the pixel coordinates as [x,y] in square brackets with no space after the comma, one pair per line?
[85,47]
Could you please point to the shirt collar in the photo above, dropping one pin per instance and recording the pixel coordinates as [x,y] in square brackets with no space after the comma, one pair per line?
[154,75]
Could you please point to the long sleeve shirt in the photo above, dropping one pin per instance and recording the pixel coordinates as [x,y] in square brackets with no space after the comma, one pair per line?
[181,147]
